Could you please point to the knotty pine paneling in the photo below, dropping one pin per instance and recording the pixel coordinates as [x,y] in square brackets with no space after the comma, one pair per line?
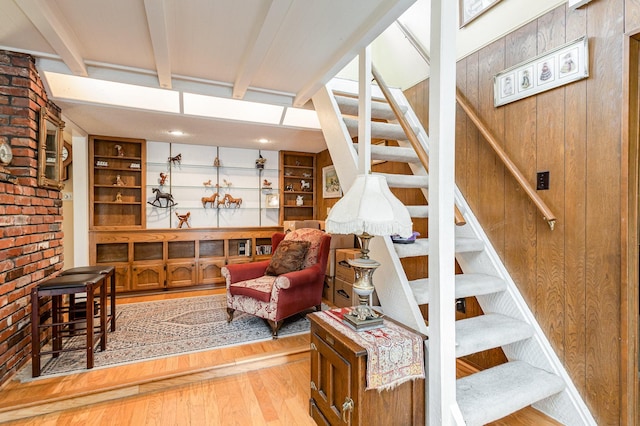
[570,276]
[550,154]
[603,194]
[575,117]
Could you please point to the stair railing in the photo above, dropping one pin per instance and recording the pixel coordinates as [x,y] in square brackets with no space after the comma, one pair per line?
[411,135]
[484,130]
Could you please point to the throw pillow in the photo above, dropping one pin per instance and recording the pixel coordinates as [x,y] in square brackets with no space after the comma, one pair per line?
[288,257]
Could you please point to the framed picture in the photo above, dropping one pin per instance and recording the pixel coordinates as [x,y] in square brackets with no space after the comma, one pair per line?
[471,9]
[330,183]
[560,66]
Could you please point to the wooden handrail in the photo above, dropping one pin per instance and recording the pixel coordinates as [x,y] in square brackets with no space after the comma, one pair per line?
[547,214]
[411,135]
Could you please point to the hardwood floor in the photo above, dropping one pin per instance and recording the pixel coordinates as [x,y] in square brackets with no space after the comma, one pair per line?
[264,383]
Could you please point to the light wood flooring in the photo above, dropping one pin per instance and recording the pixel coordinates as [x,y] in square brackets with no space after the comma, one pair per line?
[264,383]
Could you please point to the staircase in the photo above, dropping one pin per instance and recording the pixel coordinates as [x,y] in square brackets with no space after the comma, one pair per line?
[533,374]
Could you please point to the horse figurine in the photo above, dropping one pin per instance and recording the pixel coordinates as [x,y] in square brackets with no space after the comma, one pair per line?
[163,178]
[184,219]
[207,183]
[211,199]
[304,185]
[228,200]
[162,196]
[176,159]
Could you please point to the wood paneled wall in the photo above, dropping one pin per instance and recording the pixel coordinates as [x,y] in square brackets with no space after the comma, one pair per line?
[570,277]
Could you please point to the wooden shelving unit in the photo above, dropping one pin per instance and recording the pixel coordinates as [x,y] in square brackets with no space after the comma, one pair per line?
[296,167]
[117,181]
[169,259]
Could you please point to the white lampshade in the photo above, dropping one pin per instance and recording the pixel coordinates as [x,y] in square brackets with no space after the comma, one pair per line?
[369,207]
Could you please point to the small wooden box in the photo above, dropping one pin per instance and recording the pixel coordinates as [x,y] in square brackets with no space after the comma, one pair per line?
[344,271]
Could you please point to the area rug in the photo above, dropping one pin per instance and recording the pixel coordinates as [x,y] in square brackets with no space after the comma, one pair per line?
[170,327]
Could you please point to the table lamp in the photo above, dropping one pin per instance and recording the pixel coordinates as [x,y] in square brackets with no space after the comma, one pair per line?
[368,209]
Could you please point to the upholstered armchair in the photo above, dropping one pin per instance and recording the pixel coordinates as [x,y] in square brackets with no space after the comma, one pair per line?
[266,288]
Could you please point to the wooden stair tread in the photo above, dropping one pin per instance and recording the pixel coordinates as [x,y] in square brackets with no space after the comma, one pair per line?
[499,391]
[379,110]
[467,285]
[421,247]
[489,331]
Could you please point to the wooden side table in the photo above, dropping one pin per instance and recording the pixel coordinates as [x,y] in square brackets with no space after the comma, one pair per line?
[338,385]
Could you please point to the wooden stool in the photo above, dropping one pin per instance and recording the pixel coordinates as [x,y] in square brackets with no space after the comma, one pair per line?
[107,270]
[56,288]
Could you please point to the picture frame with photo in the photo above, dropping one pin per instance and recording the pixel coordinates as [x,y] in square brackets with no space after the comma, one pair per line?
[330,183]
[471,9]
[562,65]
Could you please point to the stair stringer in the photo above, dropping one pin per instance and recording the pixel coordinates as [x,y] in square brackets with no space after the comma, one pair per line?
[567,406]
[392,285]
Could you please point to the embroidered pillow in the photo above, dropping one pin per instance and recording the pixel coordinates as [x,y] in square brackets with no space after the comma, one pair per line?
[288,257]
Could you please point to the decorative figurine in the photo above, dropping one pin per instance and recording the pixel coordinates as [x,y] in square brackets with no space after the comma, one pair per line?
[102,163]
[299,200]
[119,151]
[288,187]
[118,197]
[306,175]
[227,183]
[134,165]
[211,199]
[184,219]
[177,159]
[228,200]
[207,183]
[260,162]
[216,162]
[162,196]
[305,186]
[298,163]
[266,184]
[119,181]
[163,178]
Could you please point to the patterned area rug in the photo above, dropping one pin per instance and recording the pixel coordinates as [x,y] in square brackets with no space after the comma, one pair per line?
[170,327]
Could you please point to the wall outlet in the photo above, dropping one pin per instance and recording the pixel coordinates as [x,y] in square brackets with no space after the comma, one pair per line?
[67,196]
[542,181]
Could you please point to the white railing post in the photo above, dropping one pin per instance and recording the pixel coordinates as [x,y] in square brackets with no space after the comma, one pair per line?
[364,111]
[442,405]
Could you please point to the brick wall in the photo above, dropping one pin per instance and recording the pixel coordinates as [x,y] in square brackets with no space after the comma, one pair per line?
[30,217]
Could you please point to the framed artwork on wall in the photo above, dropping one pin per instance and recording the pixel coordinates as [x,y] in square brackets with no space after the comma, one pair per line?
[555,68]
[471,9]
[330,183]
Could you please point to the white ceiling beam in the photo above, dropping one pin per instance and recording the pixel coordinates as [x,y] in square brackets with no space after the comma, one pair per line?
[379,20]
[157,23]
[260,45]
[50,22]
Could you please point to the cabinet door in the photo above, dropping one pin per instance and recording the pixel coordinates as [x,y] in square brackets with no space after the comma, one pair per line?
[210,271]
[122,277]
[331,382]
[181,274]
[147,276]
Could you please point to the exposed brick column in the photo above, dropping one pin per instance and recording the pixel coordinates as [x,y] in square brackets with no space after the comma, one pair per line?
[30,217]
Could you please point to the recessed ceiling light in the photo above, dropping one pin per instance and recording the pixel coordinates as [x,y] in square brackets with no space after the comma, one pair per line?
[263,140]
[176,132]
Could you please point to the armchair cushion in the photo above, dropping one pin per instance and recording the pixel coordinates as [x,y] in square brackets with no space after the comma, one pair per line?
[257,288]
[314,237]
[288,257]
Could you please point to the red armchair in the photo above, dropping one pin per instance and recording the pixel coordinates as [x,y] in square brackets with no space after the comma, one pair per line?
[275,298]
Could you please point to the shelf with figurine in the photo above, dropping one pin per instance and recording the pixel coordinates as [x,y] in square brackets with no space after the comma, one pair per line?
[297,186]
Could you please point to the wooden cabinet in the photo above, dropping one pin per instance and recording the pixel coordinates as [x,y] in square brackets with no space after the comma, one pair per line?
[166,259]
[338,382]
[117,181]
[297,186]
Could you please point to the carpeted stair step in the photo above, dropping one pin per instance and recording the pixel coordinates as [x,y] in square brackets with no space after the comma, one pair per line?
[418,211]
[379,130]
[379,110]
[392,153]
[467,285]
[421,247]
[499,391]
[489,331]
[405,181]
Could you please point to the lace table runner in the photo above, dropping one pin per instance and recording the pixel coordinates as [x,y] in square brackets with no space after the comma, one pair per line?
[394,354]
